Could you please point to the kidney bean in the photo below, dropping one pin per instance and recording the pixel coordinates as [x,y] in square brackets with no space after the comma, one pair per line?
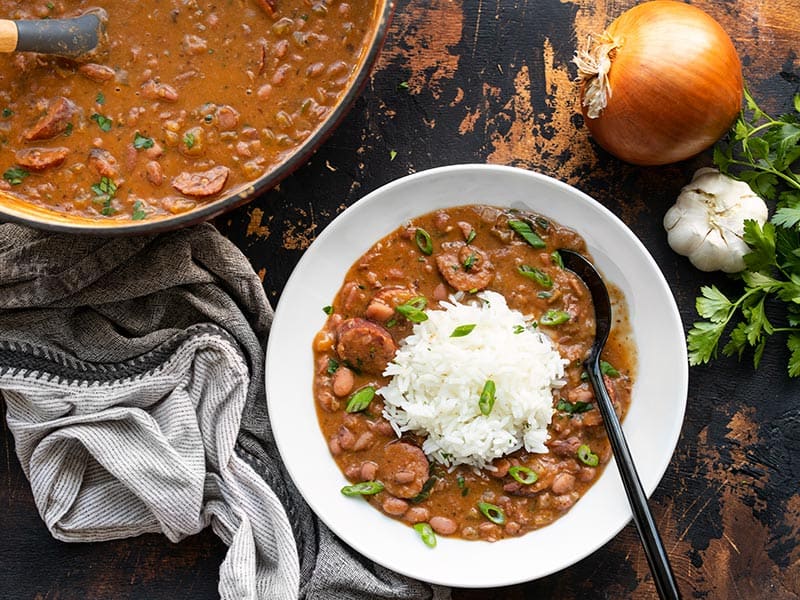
[417,514]
[368,470]
[443,525]
[346,438]
[563,483]
[343,381]
[394,506]
[364,441]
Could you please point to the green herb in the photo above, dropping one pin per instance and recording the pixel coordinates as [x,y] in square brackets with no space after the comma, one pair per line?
[486,401]
[141,142]
[586,456]
[7,113]
[425,491]
[544,295]
[360,399]
[189,140]
[606,368]
[425,531]
[403,85]
[100,98]
[470,261]
[462,485]
[104,123]
[365,488]
[494,513]
[523,475]
[519,328]
[573,408]
[138,211]
[104,192]
[424,242]
[15,175]
[413,309]
[761,151]
[392,154]
[68,130]
[463,330]
[524,229]
[333,366]
[537,275]
[327,309]
[471,236]
[554,317]
[50,6]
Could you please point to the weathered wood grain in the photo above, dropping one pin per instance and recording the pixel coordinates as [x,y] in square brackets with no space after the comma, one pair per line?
[492,81]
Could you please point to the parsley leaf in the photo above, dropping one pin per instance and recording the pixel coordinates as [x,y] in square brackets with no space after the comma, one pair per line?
[15,175]
[104,123]
[141,142]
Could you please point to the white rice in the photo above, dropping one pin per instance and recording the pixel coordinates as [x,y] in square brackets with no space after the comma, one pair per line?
[437,382]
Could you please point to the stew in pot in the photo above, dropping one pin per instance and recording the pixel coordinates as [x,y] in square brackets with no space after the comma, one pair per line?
[189,101]
[461,255]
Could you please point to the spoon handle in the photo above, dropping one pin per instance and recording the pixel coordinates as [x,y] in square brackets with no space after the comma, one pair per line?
[65,37]
[642,517]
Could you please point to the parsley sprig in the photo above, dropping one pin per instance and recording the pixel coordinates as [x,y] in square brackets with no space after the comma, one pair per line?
[761,151]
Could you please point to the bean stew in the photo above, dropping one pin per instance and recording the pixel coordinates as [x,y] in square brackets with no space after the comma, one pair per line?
[456,253]
[186,102]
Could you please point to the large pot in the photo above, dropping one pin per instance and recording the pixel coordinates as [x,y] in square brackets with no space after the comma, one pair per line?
[13,209]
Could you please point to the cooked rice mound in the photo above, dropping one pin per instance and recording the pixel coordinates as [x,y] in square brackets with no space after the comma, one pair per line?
[436,383]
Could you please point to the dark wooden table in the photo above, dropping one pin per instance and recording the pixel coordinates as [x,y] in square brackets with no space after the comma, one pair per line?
[491,81]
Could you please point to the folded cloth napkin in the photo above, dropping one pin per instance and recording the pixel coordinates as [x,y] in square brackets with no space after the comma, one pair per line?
[132,371]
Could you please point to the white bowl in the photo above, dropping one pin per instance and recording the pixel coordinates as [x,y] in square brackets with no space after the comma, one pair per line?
[652,425]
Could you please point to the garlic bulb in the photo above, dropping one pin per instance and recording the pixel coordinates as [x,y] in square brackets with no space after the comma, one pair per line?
[707,221]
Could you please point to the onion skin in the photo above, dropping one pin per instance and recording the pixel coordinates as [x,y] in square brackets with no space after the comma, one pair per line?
[676,85]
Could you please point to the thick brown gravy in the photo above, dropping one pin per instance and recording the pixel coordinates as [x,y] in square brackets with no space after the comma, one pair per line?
[188,102]
[471,248]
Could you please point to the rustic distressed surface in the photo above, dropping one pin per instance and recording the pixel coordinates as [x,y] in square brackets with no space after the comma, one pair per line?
[491,81]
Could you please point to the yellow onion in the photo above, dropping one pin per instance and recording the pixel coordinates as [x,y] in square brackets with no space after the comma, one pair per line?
[661,84]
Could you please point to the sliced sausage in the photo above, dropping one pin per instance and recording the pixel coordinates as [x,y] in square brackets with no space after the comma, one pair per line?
[365,345]
[227,118]
[39,159]
[53,122]
[268,6]
[202,184]
[102,161]
[405,462]
[465,267]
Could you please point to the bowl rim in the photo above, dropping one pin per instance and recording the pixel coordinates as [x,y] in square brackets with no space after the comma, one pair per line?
[650,477]
[37,217]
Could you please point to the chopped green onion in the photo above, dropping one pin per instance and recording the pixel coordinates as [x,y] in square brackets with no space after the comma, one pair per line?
[7,113]
[518,328]
[470,261]
[425,531]
[554,317]
[524,475]
[587,457]
[189,140]
[403,85]
[424,242]
[462,485]
[360,399]
[486,402]
[100,98]
[471,236]
[15,175]
[522,228]
[463,330]
[544,295]
[365,488]
[608,369]
[494,513]
[425,491]
[539,276]
[413,309]
[557,260]
[333,366]
[327,309]
[573,408]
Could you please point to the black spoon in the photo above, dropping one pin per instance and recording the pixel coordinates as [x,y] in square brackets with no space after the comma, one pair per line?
[642,517]
[72,38]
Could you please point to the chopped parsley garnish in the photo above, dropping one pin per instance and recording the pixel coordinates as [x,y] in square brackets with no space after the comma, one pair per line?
[573,408]
[333,366]
[100,98]
[189,140]
[104,123]
[104,192]
[141,142]
[15,175]
[7,113]
[470,261]
[138,211]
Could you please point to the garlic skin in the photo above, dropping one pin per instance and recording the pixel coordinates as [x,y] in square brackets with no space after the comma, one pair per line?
[707,221]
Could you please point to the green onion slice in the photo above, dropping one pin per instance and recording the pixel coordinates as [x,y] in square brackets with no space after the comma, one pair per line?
[537,275]
[463,330]
[327,309]
[486,402]
[360,399]
[518,328]
[413,310]
[424,242]
[557,260]
[522,228]
[587,457]
[574,408]
[333,366]
[554,317]
[494,513]
[425,491]
[365,488]
[524,475]
[471,236]
[425,531]
[470,261]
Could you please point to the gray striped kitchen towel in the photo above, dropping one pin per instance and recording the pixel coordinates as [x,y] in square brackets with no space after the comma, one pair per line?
[133,378]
